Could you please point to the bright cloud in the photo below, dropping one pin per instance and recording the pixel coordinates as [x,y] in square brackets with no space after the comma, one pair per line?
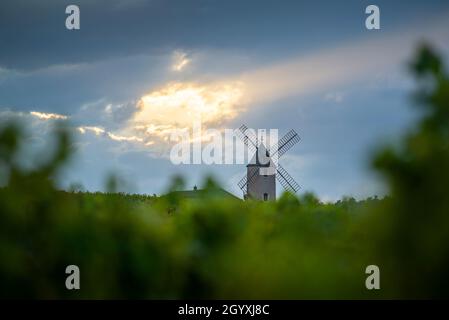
[179,105]
[100,131]
[48,116]
[123,138]
[96,130]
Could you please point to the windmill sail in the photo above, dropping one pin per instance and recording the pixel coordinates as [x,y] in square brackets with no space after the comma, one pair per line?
[245,181]
[286,180]
[285,143]
[247,137]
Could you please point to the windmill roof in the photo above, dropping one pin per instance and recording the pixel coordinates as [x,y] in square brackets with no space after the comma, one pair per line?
[261,158]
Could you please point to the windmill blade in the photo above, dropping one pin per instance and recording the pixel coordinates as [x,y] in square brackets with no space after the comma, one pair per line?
[287,182]
[247,137]
[285,143]
[243,183]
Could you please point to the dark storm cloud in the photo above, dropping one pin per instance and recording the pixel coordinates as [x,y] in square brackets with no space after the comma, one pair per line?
[33,33]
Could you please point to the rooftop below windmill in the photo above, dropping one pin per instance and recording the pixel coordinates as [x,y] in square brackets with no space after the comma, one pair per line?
[201,193]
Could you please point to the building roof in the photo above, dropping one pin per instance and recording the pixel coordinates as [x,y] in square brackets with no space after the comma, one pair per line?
[200,193]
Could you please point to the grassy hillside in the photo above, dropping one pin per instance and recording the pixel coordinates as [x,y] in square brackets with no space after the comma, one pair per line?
[133,246]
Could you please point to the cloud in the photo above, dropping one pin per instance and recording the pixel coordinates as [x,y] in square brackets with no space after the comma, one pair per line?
[180,60]
[334,67]
[179,103]
[175,106]
[29,119]
[123,138]
[48,116]
[149,119]
[96,130]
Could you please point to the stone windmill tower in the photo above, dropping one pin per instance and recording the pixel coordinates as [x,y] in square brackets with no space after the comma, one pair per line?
[263,170]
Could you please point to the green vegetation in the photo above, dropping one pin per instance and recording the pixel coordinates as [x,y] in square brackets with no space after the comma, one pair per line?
[131,246]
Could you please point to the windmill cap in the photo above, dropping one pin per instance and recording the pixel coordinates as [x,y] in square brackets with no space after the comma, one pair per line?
[261,158]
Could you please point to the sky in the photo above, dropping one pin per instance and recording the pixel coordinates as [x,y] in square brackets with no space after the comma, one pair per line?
[138,70]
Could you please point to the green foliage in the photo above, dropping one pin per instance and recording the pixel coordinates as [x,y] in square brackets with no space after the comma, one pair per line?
[415,228]
[138,246]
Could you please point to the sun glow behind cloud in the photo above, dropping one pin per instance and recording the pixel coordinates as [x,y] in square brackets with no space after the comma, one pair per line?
[179,105]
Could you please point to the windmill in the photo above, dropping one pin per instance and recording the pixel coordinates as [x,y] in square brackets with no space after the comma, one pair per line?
[263,169]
